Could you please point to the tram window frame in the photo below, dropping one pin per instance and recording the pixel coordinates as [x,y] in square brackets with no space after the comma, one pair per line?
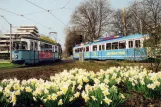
[76,50]
[130,43]
[24,45]
[52,48]
[115,45]
[55,48]
[94,47]
[80,49]
[109,47]
[36,46]
[103,47]
[31,46]
[49,48]
[122,46]
[100,47]
[137,44]
[87,49]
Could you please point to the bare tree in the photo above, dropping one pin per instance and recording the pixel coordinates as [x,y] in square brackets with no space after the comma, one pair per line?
[149,12]
[122,22]
[92,17]
[72,38]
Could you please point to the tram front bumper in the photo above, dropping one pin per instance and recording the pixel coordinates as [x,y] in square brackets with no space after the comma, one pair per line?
[18,61]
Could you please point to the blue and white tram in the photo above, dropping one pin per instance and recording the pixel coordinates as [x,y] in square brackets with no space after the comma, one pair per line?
[29,51]
[121,48]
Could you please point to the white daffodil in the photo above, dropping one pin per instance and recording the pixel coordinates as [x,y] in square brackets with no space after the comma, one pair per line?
[60,102]
[107,100]
[28,89]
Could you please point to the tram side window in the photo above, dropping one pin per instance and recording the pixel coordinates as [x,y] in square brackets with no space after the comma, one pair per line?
[94,47]
[24,45]
[50,48]
[103,47]
[80,50]
[55,48]
[137,43]
[115,45]
[99,47]
[122,45]
[130,44]
[36,46]
[77,50]
[108,46]
[31,46]
[87,49]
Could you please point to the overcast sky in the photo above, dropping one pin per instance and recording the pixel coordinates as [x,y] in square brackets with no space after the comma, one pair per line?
[44,20]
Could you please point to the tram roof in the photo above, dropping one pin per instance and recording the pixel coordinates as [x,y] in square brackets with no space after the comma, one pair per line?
[38,39]
[135,36]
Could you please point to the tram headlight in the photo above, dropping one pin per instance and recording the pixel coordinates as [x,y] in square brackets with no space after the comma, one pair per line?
[15,56]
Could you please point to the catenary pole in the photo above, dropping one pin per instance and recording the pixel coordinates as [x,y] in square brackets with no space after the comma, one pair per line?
[10,36]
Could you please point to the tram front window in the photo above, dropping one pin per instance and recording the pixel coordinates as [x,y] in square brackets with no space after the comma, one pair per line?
[20,45]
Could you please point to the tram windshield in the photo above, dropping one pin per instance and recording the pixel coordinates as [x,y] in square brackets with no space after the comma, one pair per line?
[20,45]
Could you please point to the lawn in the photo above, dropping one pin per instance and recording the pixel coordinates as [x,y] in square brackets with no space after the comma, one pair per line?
[45,71]
[6,65]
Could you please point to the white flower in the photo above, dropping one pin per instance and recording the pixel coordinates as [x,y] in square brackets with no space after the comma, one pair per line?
[79,87]
[151,86]
[122,96]
[64,89]
[53,96]
[28,89]
[107,100]
[105,92]
[17,92]
[97,81]
[85,79]
[85,96]
[157,83]
[71,99]
[94,98]
[34,99]
[76,95]
[60,102]
[1,88]
[13,99]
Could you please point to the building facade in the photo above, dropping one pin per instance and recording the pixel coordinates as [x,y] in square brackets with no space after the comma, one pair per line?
[29,30]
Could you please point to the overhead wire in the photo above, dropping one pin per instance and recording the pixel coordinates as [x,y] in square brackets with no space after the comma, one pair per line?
[49,11]
[24,17]
[66,3]
[5,19]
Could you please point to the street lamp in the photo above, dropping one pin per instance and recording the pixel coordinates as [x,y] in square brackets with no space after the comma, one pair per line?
[10,37]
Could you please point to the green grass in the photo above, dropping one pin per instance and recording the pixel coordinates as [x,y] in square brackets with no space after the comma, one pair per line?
[8,65]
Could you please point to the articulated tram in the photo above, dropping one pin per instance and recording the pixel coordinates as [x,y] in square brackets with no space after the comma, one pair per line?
[114,47]
[29,51]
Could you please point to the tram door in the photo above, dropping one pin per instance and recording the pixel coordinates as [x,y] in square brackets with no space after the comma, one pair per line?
[95,52]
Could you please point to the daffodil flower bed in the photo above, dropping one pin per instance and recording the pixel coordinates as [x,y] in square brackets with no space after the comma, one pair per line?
[100,89]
